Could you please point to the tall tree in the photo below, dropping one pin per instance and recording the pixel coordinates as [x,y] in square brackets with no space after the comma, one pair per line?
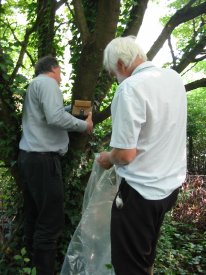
[92,25]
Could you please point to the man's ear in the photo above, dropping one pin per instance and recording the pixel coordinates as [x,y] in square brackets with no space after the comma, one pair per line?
[52,69]
[121,66]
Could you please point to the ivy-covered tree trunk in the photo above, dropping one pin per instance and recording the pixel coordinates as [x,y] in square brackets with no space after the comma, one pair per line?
[10,122]
[45,28]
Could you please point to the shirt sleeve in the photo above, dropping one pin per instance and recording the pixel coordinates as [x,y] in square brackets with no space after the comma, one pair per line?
[51,100]
[128,116]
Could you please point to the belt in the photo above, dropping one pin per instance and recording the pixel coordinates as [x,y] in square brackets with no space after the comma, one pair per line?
[41,153]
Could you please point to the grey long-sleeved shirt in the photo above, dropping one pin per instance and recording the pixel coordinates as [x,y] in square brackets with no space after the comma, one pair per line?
[45,122]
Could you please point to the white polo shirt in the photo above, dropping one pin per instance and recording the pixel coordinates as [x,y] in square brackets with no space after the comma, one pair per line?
[149,112]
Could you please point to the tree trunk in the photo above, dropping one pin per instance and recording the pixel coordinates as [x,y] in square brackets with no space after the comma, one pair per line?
[45,29]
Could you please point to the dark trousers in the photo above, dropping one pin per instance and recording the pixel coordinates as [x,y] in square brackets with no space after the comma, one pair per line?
[43,201]
[135,230]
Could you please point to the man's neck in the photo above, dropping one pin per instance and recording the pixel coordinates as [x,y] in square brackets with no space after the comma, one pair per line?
[137,62]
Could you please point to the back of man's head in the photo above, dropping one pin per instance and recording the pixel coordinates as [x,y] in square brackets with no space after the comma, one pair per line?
[45,65]
[124,48]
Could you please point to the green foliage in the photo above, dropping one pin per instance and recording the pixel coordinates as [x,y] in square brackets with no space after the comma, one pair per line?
[22,260]
[186,37]
[20,265]
[10,224]
[124,17]
[181,248]
[11,96]
[17,16]
[197,114]
[196,131]
[108,266]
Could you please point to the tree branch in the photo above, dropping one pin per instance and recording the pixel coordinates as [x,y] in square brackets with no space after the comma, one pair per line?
[60,3]
[172,51]
[183,15]
[200,58]
[89,66]
[136,18]
[101,116]
[24,46]
[195,84]
[80,20]
[31,58]
[190,55]
[22,52]
[13,32]
[106,22]
[189,69]
[45,27]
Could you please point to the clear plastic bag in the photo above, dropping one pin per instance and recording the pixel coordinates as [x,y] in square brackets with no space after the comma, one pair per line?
[89,251]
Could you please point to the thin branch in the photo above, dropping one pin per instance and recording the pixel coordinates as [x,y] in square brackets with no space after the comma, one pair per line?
[194,29]
[24,45]
[172,51]
[61,24]
[31,58]
[13,32]
[69,8]
[60,3]
[189,69]
[190,55]
[183,15]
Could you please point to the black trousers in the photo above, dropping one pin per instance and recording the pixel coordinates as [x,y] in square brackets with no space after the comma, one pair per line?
[43,199]
[135,230]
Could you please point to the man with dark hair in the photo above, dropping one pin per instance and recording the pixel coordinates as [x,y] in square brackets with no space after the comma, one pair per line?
[44,139]
[45,64]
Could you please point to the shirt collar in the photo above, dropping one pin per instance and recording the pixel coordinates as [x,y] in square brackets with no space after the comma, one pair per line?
[145,65]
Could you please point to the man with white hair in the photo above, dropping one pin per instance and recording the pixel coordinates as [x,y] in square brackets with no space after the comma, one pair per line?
[148,150]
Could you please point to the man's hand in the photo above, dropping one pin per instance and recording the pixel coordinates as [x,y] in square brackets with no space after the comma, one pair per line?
[89,123]
[104,160]
[116,156]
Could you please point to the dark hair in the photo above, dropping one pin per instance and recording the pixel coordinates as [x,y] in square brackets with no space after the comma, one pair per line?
[45,65]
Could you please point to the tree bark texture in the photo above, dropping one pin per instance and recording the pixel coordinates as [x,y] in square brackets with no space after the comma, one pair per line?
[45,28]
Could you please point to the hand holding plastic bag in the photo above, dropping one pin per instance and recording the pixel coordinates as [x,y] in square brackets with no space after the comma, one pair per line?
[89,252]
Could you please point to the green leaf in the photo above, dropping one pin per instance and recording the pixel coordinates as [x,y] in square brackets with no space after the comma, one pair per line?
[26,260]
[23,251]
[33,272]
[27,270]
[18,257]
[108,266]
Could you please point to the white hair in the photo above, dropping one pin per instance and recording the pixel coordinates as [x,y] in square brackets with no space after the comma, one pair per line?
[124,48]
